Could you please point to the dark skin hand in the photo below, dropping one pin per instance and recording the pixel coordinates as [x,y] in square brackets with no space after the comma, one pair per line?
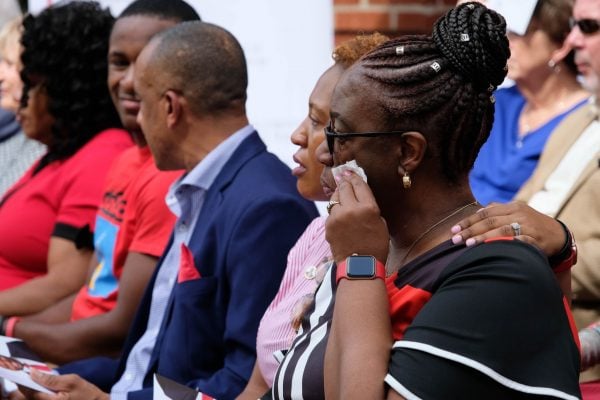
[361,328]
[355,225]
[495,219]
[67,387]
[256,386]
[536,228]
[60,341]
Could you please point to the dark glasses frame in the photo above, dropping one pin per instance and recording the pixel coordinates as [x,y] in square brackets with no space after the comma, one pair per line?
[330,135]
[587,26]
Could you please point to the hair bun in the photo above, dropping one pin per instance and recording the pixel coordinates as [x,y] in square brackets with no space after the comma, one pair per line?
[473,39]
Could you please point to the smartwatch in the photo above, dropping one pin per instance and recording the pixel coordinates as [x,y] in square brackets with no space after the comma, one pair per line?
[358,267]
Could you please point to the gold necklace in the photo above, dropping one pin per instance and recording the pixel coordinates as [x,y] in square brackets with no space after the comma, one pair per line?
[432,227]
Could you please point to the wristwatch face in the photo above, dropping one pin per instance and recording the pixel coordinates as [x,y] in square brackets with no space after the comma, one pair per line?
[360,267]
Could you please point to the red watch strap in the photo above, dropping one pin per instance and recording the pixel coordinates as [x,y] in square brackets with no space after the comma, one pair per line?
[341,272]
[567,263]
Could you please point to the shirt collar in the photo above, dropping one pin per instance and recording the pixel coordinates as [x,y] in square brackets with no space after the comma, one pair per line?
[204,174]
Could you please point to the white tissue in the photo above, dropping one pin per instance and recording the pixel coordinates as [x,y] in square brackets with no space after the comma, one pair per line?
[349,166]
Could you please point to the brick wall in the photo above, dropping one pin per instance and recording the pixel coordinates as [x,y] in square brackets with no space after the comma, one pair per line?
[392,17]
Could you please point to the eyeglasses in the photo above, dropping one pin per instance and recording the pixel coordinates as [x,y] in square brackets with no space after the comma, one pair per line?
[587,26]
[330,134]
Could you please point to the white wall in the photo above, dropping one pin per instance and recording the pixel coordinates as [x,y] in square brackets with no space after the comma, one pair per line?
[288,45]
[9,9]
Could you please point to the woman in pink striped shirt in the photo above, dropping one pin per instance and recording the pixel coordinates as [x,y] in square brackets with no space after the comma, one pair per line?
[308,259]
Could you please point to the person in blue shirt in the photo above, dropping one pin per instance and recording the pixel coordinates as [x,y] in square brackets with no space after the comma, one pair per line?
[546,90]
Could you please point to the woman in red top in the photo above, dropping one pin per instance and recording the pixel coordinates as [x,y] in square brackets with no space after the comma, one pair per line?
[47,217]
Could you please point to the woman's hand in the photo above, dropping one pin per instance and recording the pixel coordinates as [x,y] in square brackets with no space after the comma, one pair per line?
[355,224]
[495,219]
[71,387]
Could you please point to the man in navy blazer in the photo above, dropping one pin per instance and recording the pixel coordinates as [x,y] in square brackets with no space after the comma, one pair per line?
[238,215]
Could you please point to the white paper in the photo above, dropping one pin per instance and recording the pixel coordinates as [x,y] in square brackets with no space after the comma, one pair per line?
[21,376]
[157,390]
[183,392]
[517,13]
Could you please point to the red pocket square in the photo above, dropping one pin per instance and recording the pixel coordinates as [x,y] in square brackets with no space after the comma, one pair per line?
[187,268]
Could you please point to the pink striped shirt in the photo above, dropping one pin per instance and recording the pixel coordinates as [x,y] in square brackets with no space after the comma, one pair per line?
[306,265]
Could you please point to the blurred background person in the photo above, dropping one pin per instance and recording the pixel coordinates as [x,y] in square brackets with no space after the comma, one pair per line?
[9,9]
[543,68]
[17,152]
[566,182]
[46,218]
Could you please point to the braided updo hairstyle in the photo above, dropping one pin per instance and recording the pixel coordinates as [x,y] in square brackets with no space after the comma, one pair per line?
[441,85]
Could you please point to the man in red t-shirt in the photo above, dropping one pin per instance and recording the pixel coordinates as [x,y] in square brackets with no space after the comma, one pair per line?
[133,223]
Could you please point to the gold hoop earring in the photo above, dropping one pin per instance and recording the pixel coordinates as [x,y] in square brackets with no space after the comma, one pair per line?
[406,181]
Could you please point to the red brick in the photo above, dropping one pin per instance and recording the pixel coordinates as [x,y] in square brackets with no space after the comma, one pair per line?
[416,23]
[362,21]
[341,37]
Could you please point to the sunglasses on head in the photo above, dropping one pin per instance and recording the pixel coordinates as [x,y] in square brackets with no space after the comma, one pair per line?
[331,134]
[587,26]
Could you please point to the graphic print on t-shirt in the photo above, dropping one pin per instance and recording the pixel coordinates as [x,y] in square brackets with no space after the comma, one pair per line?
[103,281]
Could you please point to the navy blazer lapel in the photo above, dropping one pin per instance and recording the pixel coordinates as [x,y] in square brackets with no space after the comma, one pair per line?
[248,149]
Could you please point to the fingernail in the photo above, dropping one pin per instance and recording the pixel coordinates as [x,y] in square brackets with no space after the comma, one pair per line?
[456,229]
[347,173]
[456,239]
[481,209]
[470,242]
[337,178]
